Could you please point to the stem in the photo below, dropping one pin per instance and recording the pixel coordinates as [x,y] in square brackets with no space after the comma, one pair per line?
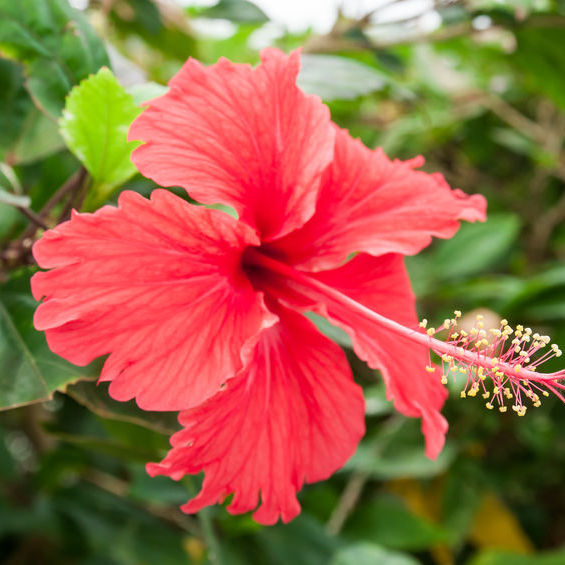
[439,347]
[214,553]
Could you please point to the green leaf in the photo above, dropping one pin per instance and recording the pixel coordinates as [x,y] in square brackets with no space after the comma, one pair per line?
[475,247]
[387,521]
[333,332]
[367,553]
[240,11]
[301,542]
[95,123]
[26,134]
[398,452]
[542,64]
[14,199]
[147,91]
[29,372]
[14,103]
[332,77]
[56,45]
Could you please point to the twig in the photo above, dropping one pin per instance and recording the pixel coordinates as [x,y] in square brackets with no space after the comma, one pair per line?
[31,215]
[347,502]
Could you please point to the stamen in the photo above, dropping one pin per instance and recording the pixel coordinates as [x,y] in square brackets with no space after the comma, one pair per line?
[510,366]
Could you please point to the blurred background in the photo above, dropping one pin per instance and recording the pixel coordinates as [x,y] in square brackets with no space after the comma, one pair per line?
[478,88]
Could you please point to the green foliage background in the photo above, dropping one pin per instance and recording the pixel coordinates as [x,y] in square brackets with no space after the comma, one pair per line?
[482,97]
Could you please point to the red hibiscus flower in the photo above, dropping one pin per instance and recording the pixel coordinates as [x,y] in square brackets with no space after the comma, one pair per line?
[202,313]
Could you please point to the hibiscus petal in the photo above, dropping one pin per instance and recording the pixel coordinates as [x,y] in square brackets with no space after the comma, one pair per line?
[158,285]
[248,138]
[381,284]
[369,203]
[293,416]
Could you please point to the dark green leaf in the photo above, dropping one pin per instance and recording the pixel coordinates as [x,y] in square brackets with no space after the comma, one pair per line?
[29,372]
[301,542]
[56,44]
[388,522]
[542,64]
[96,398]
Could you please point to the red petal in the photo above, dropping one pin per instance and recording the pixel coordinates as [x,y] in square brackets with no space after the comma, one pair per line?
[156,284]
[248,138]
[293,416]
[369,203]
[381,284]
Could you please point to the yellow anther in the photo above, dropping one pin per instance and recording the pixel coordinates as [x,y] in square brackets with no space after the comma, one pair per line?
[454,335]
[520,327]
[457,313]
[444,380]
[522,411]
[528,331]
[517,349]
[447,358]
[486,394]
[463,395]
[495,390]
[430,369]
[518,367]
[545,393]
[431,331]
[463,333]
[502,409]
[481,325]
[537,403]
[489,405]
[504,322]
[447,322]
[423,323]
